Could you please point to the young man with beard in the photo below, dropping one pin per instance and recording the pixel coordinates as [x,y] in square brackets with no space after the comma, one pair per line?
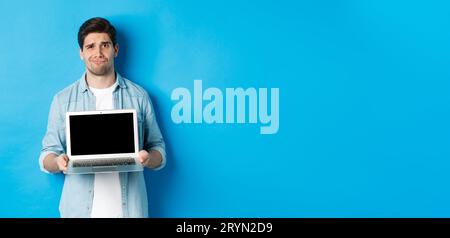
[101,87]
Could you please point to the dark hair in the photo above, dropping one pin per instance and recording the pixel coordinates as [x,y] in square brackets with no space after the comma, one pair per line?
[96,25]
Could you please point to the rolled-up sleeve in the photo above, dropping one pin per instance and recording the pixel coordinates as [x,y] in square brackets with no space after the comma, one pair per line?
[54,139]
[153,139]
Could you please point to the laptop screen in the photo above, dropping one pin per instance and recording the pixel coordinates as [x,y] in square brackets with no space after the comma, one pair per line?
[101,134]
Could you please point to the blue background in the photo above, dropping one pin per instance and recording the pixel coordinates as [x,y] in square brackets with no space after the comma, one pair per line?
[364,103]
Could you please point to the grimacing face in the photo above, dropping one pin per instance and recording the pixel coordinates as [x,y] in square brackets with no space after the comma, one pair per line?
[98,53]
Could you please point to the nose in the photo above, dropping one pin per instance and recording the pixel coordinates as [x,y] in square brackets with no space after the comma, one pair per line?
[99,52]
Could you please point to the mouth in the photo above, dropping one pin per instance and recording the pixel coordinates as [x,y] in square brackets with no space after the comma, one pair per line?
[99,60]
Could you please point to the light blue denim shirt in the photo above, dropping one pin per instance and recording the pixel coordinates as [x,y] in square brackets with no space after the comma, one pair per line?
[77,194]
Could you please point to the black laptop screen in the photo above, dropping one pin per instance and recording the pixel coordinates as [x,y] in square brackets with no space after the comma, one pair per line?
[102,134]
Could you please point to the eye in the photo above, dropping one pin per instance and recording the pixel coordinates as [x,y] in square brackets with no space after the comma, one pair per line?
[105,45]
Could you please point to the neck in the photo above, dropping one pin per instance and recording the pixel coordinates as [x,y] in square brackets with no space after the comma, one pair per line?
[103,81]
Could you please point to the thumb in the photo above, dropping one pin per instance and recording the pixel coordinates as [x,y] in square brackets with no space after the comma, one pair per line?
[63,159]
[143,156]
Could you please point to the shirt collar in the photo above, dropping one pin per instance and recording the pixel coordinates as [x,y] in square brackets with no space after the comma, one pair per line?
[84,87]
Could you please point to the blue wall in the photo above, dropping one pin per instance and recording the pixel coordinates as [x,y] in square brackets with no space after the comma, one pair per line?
[364,103]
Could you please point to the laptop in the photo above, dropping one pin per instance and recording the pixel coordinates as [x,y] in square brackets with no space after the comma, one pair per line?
[102,141]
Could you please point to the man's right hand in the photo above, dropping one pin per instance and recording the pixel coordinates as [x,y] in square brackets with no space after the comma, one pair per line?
[56,163]
[62,161]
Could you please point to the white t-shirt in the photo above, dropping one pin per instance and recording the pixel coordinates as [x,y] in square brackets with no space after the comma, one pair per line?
[107,193]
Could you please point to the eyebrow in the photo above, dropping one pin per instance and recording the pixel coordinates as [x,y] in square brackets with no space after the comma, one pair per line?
[103,42]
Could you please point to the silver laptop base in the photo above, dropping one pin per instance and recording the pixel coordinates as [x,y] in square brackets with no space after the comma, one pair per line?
[104,169]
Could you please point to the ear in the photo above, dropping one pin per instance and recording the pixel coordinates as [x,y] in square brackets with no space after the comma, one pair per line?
[116,50]
[81,54]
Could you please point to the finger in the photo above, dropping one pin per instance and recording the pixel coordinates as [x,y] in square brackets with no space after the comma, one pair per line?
[65,157]
[141,157]
[60,158]
[143,153]
[61,166]
[62,163]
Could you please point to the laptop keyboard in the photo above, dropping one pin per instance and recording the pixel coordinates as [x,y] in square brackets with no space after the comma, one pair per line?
[103,162]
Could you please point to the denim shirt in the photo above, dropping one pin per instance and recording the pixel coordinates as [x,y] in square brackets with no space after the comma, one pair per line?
[77,193]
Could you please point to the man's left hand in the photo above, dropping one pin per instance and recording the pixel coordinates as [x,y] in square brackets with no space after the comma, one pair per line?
[151,160]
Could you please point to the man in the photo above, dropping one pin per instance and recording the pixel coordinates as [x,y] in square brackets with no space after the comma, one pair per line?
[102,88]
